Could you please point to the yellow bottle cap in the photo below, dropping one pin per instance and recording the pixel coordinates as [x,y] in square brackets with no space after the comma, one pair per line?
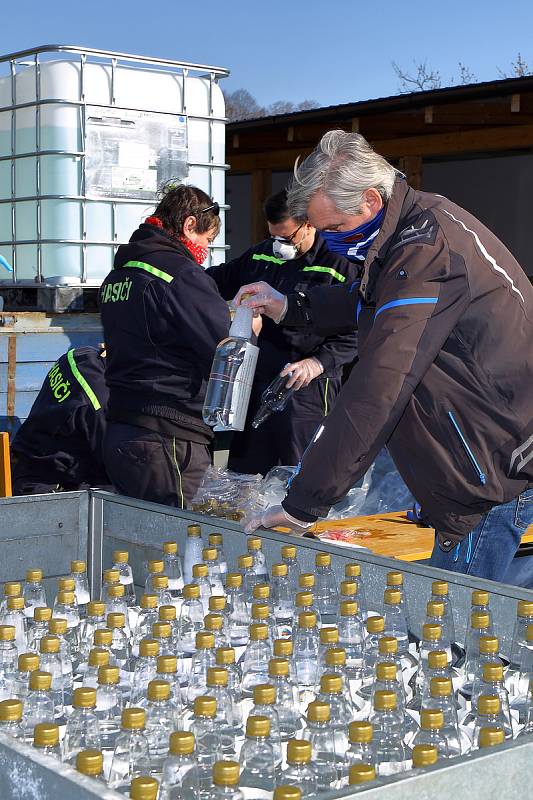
[170,548]
[348,608]
[11,710]
[90,762]
[318,711]
[162,630]
[437,659]
[158,690]
[431,719]
[96,608]
[103,637]
[375,624]
[40,681]
[525,608]
[144,788]
[385,700]
[42,614]
[120,556]
[488,704]
[148,648]
[133,718]
[352,570]
[386,671]
[194,530]
[335,657]
[431,632]
[329,635]
[155,566]
[491,737]
[479,620]
[258,631]
[50,644]
[205,640]
[160,581]
[84,697]
[322,560]
[298,751]
[108,676]
[12,589]
[217,676]
[287,792]
[217,602]
[394,578]
[331,683]
[209,554]
[279,570]
[111,575]
[392,597]
[288,551]
[304,599]
[115,590]
[480,598]
[66,598]
[254,544]
[257,726]
[149,601]
[233,580]
[117,620]
[440,687]
[58,625]
[215,538]
[27,662]
[225,655]
[226,773]
[34,575]
[283,648]
[181,743]
[245,561]
[167,665]
[306,580]
[307,619]
[435,609]
[15,603]
[260,611]
[424,755]
[191,591]
[440,588]
[264,694]
[361,773]
[489,644]
[387,645]
[78,567]
[205,706]
[348,588]
[167,613]
[492,671]
[278,667]
[360,731]
[46,734]
[261,591]
[98,657]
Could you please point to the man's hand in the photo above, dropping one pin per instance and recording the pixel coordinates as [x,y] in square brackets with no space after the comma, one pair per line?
[263,299]
[302,372]
[276,517]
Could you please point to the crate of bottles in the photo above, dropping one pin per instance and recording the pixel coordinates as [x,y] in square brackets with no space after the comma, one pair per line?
[207,664]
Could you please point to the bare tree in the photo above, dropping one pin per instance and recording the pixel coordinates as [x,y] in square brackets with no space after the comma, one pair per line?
[519,69]
[465,74]
[422,78]
[240,104]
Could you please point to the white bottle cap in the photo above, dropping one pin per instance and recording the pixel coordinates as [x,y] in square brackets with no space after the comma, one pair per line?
[241,327]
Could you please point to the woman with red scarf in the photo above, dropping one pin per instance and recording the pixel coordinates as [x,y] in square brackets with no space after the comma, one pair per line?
[163,318]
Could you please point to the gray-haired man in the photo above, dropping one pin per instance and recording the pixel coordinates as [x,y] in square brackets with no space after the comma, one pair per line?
[445,372]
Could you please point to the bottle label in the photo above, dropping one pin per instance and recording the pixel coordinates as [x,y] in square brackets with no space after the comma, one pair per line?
[240,396]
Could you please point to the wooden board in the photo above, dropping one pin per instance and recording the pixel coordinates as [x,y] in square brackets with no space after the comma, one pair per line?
[393,535]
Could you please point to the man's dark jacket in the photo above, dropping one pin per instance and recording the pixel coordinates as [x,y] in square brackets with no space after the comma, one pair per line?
[445,371]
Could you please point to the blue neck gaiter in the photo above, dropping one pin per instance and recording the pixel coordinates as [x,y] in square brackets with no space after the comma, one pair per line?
[354,244]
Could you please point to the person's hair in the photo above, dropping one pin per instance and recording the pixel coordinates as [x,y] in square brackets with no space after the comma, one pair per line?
[177,202]
[343,166]
[277,211]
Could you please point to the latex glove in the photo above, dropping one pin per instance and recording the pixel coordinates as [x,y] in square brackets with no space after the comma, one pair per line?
[263,300]
[303,372]
[275,517]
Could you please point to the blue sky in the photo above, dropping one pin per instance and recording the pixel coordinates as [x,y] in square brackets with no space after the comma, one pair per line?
[332,52]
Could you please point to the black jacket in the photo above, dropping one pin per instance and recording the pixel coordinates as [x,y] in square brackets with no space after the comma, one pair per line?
[163,318]
[61,440]
[445,371]
[281,345]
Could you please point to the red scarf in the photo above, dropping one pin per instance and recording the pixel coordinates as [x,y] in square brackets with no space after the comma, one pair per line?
[198,251]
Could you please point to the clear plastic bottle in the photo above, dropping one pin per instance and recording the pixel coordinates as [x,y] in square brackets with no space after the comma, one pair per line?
[481,603]
[214,623]
[103,638]
[173,569]
[274,398]
[162,633]
[214,574]
[78,571]
[160,719]
[336,665]
[179,777]
[120,646]
[110,578]
[215,540]
[256,657]
[435,615]
[11,589]
[34,592]
[387,680]
[395,619]
[167,670]
[288,556]
[492,683]
[375,629]
[120,562]
[326,590]
[225,657]
[11,718]
[66,608]
[352,638]
[217,687]
[526,668]
[305,601]
[116,603]
[325,762]
[27,663]
[257,757]
[431,731]
[441,697]
[391,755]
[284,648]
[440,593]
[191,619]
[51,661]
[58,627]
[98,657]
[361,748]
[360,775]
[208,741]
[282,599]
[431,641]
[490,737]
[232,373]
[261,594]
[287,696]
[298,771]
[264,697]
[395,580]
[14,615]
[65,584]
[424,756]
[144,787]
[352,571]
[109,705]
[388,651]
[332,693]
[145,669]
[39,705]
[237,610]
[160,587]
[218,605]
[329,637]
[91,764]
[148,614]
[245,564]
[41,618]
[131,756]
[438,667]
[95,618]
[201,579]
[8,661]
[155,566]
[489,715]
[46,739]
[306,647]
[254,545]
[260,612]
[193,551]
[169,615]
[479,626]
[82,731]
[203,658]
[226,781]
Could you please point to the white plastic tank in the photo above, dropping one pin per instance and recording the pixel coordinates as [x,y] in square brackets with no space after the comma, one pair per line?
[86,139]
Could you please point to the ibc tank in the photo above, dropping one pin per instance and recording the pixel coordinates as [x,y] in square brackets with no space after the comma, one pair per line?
[86,138]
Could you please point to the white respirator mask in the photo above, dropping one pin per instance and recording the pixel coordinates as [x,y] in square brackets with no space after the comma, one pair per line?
[284,250]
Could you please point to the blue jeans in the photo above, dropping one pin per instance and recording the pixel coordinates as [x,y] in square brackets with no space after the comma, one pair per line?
[489,548]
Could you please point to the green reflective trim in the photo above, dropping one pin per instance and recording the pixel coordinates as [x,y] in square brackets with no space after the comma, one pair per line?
[326,409]
[264,257]
[328,270]
[81,380]
[152,270]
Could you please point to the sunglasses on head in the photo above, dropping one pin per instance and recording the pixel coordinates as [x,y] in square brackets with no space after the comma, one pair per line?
[215,208]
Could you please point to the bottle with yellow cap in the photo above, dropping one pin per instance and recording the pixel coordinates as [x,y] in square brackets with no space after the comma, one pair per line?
[441,697]
[160,720]
[353,572]
[361,748]
[58,628]
[245,565]
[216,540]
[435,615]
[226,657]
[489,715]
[305,601]
[287,695]
[237,610]
[95,618]
[341,712]
[110,577]
[480,628]
[145,669]
[82,731]
[254,545]
[481,603]
[144,787]
[109,705]
[98,657]
[131,756]
[491,682]
[395,580]
[169,615]
[326,590]
[430,641]
[120,562]
[39,628]
[256,657]
[288,556]
[11,589]
[298,771]
[395,619]
[193,551]
[490,737]
[191,619]
[66,603]
[200,577]
[179,777]
[336,665]
[78,572]
[374,630]
[325,762]
[214,573]
[173,569]
[46,739]
[207,738]
[14,615]
[389,679]
[257,757]
[424,755]
[91,764]
[287,792]
[215,623]
[225,779]
[265,705]
[167,670]
[116,603]
[261,612]
[120,645]
[391,755]
[203,658]
[39,704]
[27,663]
[34,592]
[431,731]
[351,638]
[440,593]
[148,614]
[155,566]
[282,599]
[226,721]
[359,776]
[306,640]
[162,633]
[50,660]
[218,604]
[160,589]
[261,594]
[11,718]
[329,637]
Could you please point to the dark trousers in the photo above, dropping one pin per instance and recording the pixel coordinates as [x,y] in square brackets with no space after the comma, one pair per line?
[150,466]
[283,437]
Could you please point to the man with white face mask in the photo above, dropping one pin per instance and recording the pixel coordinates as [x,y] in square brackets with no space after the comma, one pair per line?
[293,258]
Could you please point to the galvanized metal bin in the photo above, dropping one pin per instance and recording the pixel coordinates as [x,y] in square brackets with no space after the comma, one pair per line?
[100,523]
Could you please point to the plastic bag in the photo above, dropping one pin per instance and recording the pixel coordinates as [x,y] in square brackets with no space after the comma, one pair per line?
[229,495]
